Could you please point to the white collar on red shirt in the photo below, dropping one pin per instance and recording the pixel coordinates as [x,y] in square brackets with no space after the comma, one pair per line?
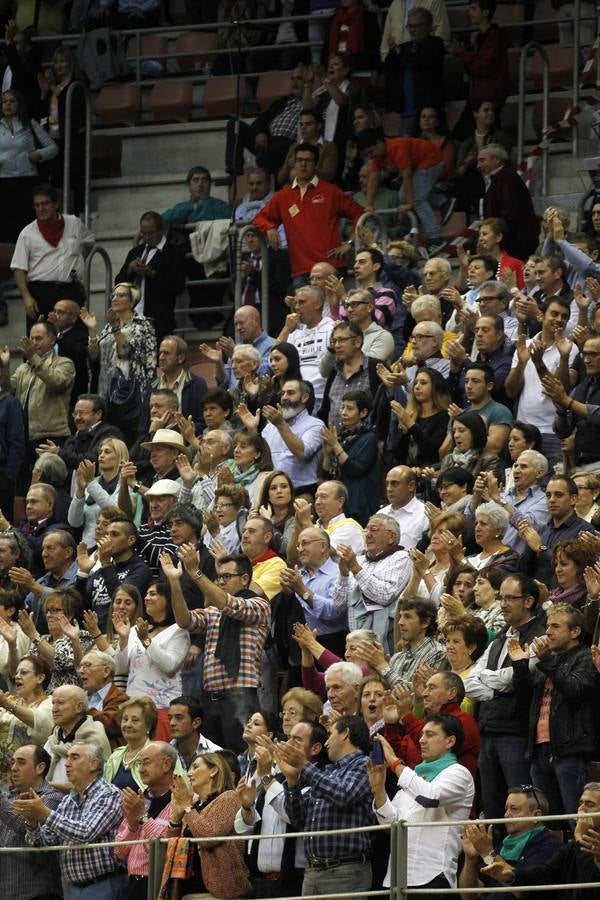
[314,181]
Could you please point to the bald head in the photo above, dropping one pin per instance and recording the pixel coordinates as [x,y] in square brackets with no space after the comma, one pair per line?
[320,272]
[400,485]
[313,547]
[248,323]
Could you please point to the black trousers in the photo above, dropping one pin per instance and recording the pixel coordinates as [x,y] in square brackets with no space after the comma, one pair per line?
[47,293]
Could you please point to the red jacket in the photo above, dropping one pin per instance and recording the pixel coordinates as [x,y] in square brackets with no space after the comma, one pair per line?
[487,66]
[310,222]
[353,35]
[470,751]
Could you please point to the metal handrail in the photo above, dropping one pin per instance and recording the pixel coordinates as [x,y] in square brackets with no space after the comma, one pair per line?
[533,45]
[102,253]
[237,235]
[74,86]
[576,42]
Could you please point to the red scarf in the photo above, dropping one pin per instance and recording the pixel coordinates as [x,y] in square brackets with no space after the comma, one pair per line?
[52,230]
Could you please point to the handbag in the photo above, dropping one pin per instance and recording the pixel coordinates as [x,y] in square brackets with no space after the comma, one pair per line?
[124,399]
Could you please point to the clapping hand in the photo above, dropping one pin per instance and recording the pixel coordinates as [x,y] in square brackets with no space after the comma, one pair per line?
[134,807]
[171,570]
[190,558]
[515,651]
[480,838]
[69,629]
[25,620]
[181,795]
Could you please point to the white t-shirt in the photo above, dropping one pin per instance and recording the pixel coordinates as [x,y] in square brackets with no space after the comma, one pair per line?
[311,344]
[534,406]
[42,261]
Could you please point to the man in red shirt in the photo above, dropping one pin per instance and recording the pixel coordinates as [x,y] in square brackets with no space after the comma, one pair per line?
[419,164]
[309,210]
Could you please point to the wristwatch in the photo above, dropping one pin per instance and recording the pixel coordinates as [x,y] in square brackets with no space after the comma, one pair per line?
[306,595]
[143,819]
[489,858]
[266,780]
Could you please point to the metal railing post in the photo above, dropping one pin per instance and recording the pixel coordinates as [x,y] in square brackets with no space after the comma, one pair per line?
[156,858]
[74,86]
[533,45]
[576,45]
[100,251]
[402,860]
[380,223]
[138,55]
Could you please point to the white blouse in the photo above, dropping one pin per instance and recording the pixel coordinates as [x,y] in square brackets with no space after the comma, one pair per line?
[155,672]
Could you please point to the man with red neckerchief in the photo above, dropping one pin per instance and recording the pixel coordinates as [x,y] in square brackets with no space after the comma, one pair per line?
[48,262]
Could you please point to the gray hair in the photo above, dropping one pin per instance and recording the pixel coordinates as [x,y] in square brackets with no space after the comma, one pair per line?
[496,514]
[52,467]
[249,351]
[442,263]
[101,658]
[426,303]
[47,491]
[93,750]
[389,524]
[363,634]
[349,672]
[500,289]
[167,751]
[79,695]
[313,289]
[538,460]
[496,150]
[436,330]
[226,437]
[367,296]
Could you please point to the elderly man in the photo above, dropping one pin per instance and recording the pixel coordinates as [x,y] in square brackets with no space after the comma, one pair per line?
[312,583]
[371,582]
[42,385]
[438,790]
[427,338]
[266,564]
[162,414]
[89,814]
[232,662]
[295,437]
[176,376]
[72,723]
[309,331]
[403,505]
[216,450]
[507,197]
[164,448]
[90,430]
[342,680]
[427,308]
[147,814]
[524,501]
[330,499]
[492,348]
[49,255]
[40,505]
[22,875]
[248,326]
[59,552]
[157,267]
[536,843]
[155,535]
[97,672]
[72,338]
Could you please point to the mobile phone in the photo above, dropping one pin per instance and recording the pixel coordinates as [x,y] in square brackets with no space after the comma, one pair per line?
[376,753]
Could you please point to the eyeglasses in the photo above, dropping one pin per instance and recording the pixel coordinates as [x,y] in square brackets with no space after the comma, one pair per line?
[302,544]
[488,297]
[221,506]
[591,353]
[355,303]
[227,576]
[120,294]
[510,598]
[292,713]
[422,337]
[342,340]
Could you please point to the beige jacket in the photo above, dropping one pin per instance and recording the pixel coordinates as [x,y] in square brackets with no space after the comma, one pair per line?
[44,383]
[87,731]
[395,31]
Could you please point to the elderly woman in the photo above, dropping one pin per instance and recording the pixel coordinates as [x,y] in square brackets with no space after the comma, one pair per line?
[137,718]
[466,640]
[127,343]
[226,522]
[23,143]
[94,493]
[569,561]
[588,488]
[251,389]
[26,715]
[49,468]
[486,590]
[299,705]
[65,644]
[491,521]
[360,644]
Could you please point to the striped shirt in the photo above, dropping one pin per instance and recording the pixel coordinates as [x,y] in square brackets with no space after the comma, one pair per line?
[90,817]
[254,614]
[403,664]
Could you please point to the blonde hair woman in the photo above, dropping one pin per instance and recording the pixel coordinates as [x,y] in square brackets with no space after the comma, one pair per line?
[93,493]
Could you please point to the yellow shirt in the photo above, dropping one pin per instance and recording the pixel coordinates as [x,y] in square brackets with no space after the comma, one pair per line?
[266,575]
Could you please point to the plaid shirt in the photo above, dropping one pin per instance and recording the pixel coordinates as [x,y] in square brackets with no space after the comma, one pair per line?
[340,796]
[26,875]
[88,818]
[358,381]
[255,615]
[403,664]
[286,123]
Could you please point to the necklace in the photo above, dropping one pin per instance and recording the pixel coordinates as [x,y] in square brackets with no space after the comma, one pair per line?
[127,764]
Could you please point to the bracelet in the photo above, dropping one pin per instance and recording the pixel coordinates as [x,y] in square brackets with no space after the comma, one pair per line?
[397,762]
[95,637]
[173,824]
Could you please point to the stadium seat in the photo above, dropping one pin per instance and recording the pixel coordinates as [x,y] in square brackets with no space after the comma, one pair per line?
[172,101]
[455,225]
[561,67]
[202,43]
[271,86]
[152,46]
[119,104]
[106,155]
[220,95]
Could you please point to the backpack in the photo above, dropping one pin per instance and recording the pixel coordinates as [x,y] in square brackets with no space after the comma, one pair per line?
[101,56]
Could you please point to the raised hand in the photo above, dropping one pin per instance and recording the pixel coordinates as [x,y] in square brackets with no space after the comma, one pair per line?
[121,625]
[88,318]
[303,512]
[480,838]
[212,354]
[90,623]
[246,791]
[217,549]
[515,651]
[249,420]
[9,632]
[190,558]
[25,620]
[70,629]
[143,629]
[171,571]
[187,473]
[404,697]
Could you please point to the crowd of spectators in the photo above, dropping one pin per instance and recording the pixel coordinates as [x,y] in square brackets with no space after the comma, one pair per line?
[355,581]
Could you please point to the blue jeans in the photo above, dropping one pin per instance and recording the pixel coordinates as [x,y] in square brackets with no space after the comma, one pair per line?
[342,880]
[560,778]
[552,452]
[114,888]
[423,182]
[502,764]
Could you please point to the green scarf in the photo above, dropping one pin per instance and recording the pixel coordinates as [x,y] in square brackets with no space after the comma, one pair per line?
[430,770]
[247,477]
[514,844]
